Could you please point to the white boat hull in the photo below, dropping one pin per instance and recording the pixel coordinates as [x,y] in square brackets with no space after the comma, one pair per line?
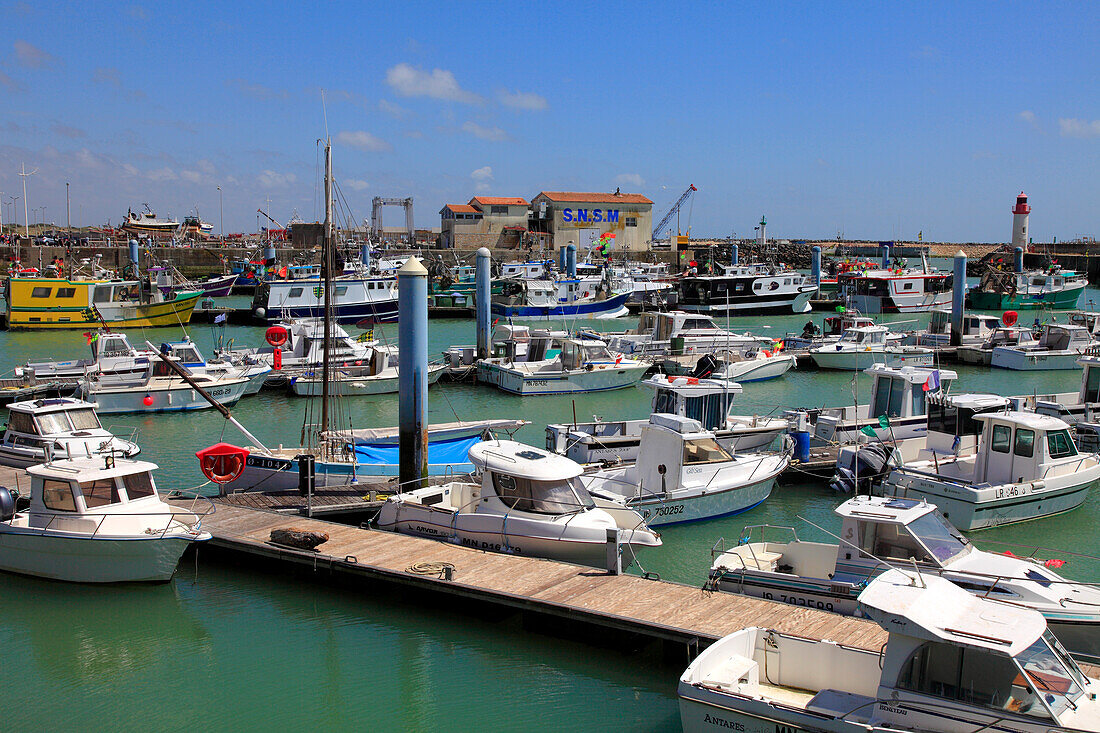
[756,370]
[600,379]
[1020,360]
[385,382]
[91,560]
[19,456]
[854,361]
[179,397]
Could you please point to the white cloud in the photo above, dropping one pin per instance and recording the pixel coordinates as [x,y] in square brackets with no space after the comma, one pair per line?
[32,56]
[394,110]
[161,174]
[67,131]
[1027,116]
[630,179]
[522,100]
[355,184]
[363,140]
[409,81]
[485,173]
[485,133]
[271,179]
[1074,127]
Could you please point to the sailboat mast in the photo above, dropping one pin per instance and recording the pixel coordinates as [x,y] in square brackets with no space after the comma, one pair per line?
[326,273]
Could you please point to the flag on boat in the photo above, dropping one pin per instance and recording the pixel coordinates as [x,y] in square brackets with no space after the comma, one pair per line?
[933,382]
[220,319]
[883,422]
[619,360]
[868,431]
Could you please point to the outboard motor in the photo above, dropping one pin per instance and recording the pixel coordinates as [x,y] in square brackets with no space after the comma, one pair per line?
[704,367]
[7,504]
[873,461]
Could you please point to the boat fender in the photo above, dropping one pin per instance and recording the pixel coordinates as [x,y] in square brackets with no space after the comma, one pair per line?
[7,504]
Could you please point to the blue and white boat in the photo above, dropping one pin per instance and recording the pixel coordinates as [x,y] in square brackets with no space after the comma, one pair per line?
[353,299]
[549,300]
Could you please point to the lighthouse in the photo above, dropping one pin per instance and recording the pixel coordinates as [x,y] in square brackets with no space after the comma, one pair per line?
[1019,221]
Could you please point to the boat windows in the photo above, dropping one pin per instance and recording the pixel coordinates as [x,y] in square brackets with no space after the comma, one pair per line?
[1002,438]
[1049,673]
[100,493]
[41,292]
[66,292]
[138,485]
[58,495]
[939,537]
[709,410]
[541,497]
[54,422]
[1025,442]
[296,292]
[342,290]
[1059,444]
[704,450]
[890,542]
[889,396]
[971,676]
[1092,384]
[21,422]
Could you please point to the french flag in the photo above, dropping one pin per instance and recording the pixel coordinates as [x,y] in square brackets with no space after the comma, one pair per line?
[933,382]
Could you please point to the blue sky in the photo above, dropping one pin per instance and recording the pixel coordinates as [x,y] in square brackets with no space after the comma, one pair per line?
[875,120]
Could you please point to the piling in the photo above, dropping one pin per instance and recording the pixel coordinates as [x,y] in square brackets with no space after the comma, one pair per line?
[412,376]
[364,257]
[1019,259]
[733,254]
[269,255]
[958,298]
[135,255]
[563,260]
[483,288]
[815,266]
[571,259]
[885,256]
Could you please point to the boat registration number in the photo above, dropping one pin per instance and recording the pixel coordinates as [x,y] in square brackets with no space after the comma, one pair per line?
[219,392]
[797,600]
[663,511]
[538,382]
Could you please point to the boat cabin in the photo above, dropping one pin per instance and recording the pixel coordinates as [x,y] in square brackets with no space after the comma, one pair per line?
[838,324]
[185,352]
[522,343]
[899,391]
[1010,336]
[1064,338]
[975,326]
[1021,446]
[707,401]
[674,446]
[519,477]
[1086,319]
[75,495]
[861,337]
[524,270]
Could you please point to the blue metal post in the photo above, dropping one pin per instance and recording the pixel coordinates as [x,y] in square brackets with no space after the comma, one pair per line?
[958,298]
[1019,260]
[364,256]
[135,255]
[571,259]
[886,256]
[733,254]
[412,377]
[269,254]
[563,260]
[483,287]
[815,266]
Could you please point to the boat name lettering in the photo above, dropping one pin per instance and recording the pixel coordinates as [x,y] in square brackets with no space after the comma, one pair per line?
[491,546]
[891,709]
[611,216]
[104,354]
[797,601]
[663,511]
[216,392]
[276,463]
[427,530]
[785,728]
[723,723]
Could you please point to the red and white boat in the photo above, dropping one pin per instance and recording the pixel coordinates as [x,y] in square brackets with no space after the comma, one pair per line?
[896,290]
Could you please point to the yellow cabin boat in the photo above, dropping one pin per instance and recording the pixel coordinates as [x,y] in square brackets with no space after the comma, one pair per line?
[39,303]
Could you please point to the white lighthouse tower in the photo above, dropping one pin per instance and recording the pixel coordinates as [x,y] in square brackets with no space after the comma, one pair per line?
[1019,221]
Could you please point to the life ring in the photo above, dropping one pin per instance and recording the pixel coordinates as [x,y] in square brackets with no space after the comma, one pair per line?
[221,469]
[1009,318]
[276,336]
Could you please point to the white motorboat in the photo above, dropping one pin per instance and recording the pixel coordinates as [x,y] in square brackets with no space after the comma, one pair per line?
[187,355]
[952,663]
[677,332]
[1026,466]
[159,389]
[300,347]
[112,354]
[976,329]
[981,354]
[565,298]
[379,376]
[755,366]
[897,393]
[864,346]
[528,502]
[709,401]
[832,328]
[751,289]
[96,520]
[40,429]
[1058,347]
[514,343]
[884,532]
[682,474]
[583,365]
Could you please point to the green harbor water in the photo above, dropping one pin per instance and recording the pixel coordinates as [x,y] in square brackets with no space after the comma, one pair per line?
[226,646]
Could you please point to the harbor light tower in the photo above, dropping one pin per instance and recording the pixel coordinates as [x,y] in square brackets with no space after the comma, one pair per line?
[1019,221]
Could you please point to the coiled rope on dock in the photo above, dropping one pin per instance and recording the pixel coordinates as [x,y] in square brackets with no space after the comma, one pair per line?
[430,568]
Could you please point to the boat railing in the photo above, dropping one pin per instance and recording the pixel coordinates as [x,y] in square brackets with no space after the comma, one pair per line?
[189,519]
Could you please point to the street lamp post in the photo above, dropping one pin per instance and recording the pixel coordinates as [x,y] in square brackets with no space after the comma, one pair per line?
[221,214]
[23,174]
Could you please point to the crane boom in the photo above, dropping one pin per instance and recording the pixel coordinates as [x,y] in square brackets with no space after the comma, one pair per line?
[663,225]
[268,217]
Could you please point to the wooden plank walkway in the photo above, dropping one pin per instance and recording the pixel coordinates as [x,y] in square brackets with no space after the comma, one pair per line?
[653,608]
[365,496]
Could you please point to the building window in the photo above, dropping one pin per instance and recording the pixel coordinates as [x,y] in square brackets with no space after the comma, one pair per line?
[41,292]
[631,221]
[498,209]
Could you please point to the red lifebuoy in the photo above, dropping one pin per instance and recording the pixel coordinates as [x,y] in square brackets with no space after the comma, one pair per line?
[277,359]
[222,463]
[276,336]
[1009,318]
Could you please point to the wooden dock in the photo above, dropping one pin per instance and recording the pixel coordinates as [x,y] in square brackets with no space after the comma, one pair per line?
[654,609]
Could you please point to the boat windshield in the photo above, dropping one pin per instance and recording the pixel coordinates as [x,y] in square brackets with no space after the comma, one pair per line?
[704,450]
[1051,674]
[944,542]
[560,496]
[63,422]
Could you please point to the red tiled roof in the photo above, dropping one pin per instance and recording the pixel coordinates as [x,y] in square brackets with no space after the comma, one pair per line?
[462,209]
[599,198]
[499,200]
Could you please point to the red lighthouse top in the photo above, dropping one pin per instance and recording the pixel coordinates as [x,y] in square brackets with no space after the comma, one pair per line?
[1021,204]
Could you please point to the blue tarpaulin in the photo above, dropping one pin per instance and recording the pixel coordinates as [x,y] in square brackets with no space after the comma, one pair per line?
[380,459]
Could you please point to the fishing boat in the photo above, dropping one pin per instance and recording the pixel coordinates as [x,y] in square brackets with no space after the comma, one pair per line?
[1058,348]
[678,332]
[548,300]
[898,290]
[982,354]
[708,401]
[96,519]
[1052,287]
[864,346]
[44,303]
[1026,466]
[976,329]
[353,299]
[40,429]
[148,223]
[746,290]
[527,502]
[682,474]
[160,389]
[953,662]
[582,365]
[168,280]
[878,533]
